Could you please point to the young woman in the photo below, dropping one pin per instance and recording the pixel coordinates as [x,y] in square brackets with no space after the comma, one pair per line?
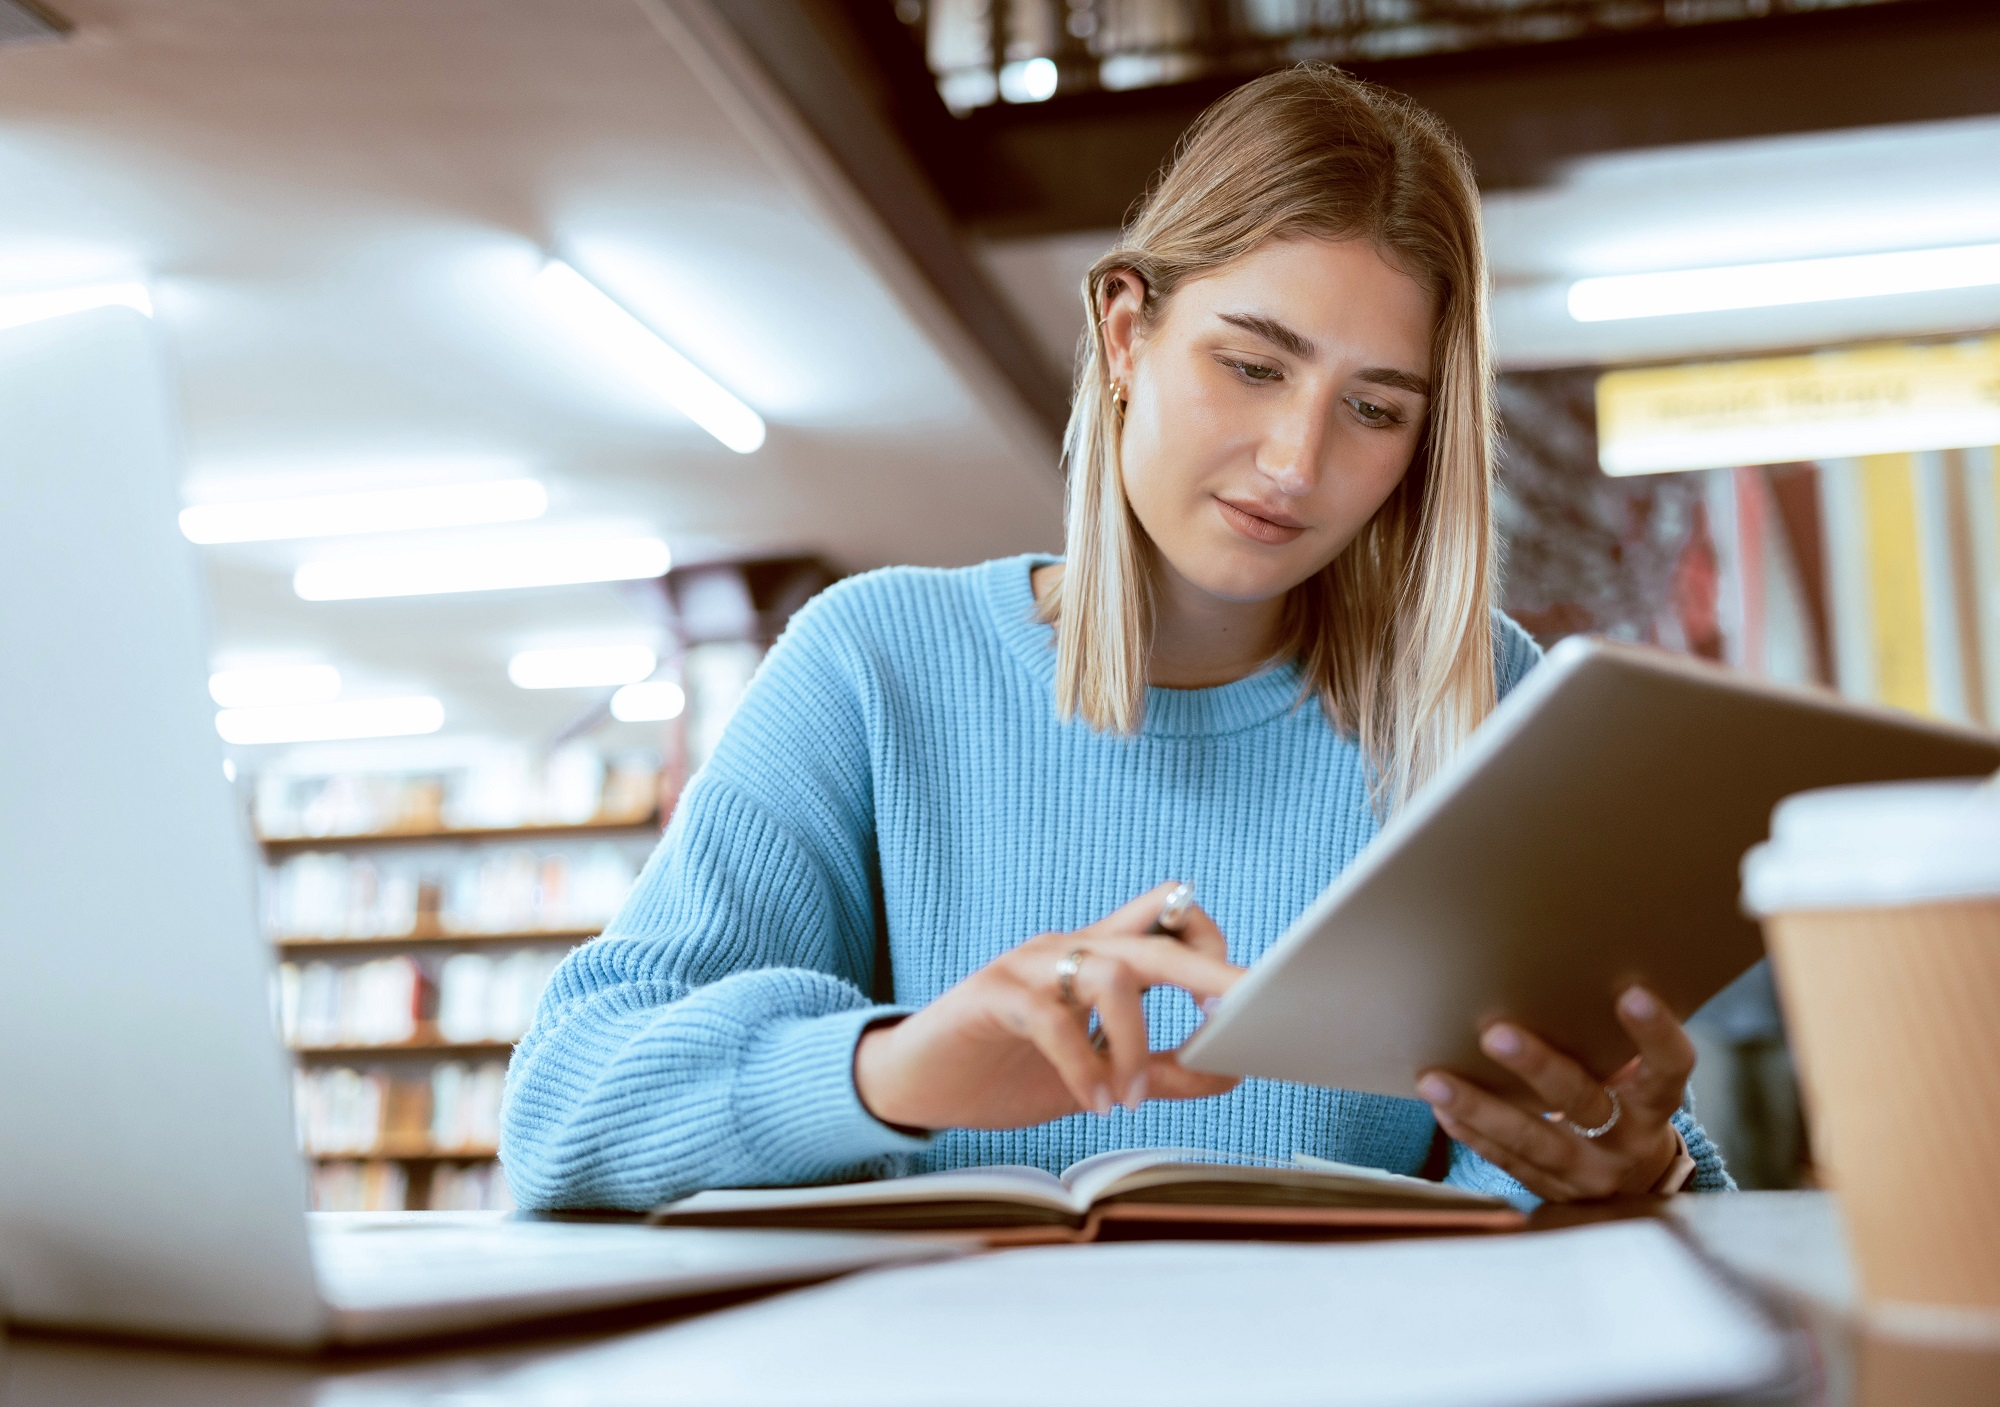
[932,841]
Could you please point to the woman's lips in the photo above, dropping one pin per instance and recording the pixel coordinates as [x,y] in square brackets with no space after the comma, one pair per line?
[1272,532]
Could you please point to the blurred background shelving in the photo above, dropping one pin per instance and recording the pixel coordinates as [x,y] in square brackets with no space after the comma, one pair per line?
[412,951]
[417,912]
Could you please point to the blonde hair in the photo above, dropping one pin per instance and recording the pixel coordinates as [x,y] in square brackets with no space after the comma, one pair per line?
[1394,636]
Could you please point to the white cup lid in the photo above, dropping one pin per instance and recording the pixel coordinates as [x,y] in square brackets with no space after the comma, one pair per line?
[1876,846]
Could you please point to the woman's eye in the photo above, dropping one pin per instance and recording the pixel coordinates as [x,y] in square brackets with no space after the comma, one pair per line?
[1254,371]
[1371,413]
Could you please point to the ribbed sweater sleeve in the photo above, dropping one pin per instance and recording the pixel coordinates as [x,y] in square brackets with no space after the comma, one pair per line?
[707,1038]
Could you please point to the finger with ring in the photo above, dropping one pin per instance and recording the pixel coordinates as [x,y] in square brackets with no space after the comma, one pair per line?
[1610,1120]
[1499,1122]
[1560,1083]
[1066,971]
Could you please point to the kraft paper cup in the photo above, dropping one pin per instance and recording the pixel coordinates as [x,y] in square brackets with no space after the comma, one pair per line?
[1881,909]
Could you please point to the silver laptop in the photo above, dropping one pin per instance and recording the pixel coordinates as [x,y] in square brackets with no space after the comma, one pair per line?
[149,1180]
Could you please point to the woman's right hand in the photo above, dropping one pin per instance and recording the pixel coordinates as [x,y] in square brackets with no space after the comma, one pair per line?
[1002,1049]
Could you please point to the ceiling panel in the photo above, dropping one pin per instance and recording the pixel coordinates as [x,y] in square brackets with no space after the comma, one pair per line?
[338,203]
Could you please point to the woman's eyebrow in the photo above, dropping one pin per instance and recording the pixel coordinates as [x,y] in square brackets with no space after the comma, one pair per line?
[1389,376]
[1272,331]
[1276,333]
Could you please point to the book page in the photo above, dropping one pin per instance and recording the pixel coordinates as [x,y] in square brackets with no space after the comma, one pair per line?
[1401,1182]
[1006,1183]
[1133,1170]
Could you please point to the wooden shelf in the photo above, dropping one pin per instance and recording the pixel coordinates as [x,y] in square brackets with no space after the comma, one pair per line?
[411,1153]
[293,844]
[396,943]
[440,1049]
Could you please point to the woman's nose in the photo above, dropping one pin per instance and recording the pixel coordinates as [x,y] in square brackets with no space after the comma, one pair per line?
[1292,449]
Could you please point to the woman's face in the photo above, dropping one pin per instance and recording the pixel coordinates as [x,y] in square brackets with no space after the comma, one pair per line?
[1271,409]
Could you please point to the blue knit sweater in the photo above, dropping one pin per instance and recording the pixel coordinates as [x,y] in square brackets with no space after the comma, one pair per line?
[896,779]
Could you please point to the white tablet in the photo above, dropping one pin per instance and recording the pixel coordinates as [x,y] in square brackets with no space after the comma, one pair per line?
[1587,838]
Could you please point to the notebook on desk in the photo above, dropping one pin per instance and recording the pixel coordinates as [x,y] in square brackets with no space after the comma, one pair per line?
[1161,1188]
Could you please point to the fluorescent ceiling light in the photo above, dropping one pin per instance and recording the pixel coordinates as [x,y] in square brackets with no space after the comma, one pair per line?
[19,309]
[633,349]
[500,566]
[583,667]
[1776,285]
[285,684]
[382,511]
[653,701]
[327,722]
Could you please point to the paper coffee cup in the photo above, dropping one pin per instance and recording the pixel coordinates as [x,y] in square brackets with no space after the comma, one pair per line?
[1881,909]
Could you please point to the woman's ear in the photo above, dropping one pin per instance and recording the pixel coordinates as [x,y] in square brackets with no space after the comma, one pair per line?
[1121,299]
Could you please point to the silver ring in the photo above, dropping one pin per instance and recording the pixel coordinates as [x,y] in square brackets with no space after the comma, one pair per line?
[1066,971]
[1617,1112]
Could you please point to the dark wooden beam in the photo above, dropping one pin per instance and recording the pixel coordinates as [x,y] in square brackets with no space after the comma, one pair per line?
[1080,162]
[857,79]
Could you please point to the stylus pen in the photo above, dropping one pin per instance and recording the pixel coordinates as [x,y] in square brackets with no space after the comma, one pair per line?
[1173,915]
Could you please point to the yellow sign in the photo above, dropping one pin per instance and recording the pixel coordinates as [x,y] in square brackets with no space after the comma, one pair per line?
[1825,405]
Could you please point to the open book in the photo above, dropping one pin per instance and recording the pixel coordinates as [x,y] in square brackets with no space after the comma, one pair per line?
[1158,1185]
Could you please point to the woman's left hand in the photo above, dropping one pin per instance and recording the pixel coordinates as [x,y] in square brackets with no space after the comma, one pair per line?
[1549,1156]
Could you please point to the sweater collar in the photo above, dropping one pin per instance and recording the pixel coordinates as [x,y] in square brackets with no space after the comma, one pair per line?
[1172,713]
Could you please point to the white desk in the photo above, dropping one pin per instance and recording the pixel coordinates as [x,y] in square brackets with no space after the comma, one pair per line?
[1181,1347]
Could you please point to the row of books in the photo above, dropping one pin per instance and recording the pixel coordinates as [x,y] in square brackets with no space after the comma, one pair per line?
[469,1187]
[454,1109]
[367,1003]
[360,1187]
[512,786]
[507,889]
[380,1186]
[390,1001]
[486,998]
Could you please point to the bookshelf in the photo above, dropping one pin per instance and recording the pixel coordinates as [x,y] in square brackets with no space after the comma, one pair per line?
[399,942]
[417,908]
[277,846]
[430,1049]
[413,1151]
[411,955]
